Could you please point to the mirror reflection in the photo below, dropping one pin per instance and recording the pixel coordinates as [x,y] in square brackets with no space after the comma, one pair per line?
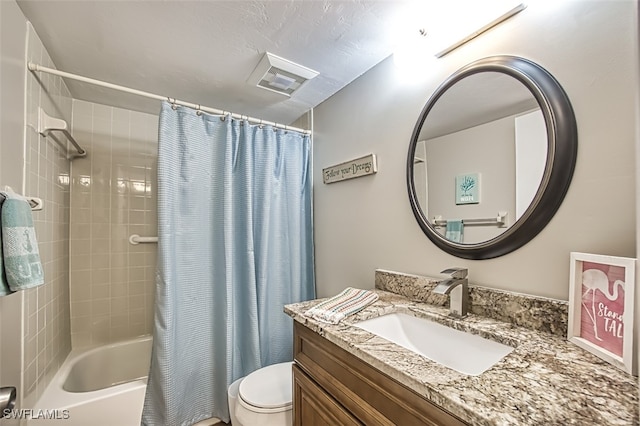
[480,157]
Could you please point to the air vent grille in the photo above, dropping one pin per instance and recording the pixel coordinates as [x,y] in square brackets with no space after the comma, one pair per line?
[280,75]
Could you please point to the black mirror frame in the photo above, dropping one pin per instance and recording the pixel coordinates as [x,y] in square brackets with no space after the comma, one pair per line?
[562,149]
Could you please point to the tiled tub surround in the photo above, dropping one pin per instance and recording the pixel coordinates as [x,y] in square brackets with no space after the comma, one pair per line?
[46,336]
[113,195]
[545,381]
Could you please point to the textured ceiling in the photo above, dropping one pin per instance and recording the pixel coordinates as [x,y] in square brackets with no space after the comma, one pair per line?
[204,51]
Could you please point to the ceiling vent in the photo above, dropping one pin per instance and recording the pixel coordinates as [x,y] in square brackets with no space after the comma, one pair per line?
[280,75]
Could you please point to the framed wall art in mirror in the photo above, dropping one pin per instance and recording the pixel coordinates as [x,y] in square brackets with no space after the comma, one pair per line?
[508,120]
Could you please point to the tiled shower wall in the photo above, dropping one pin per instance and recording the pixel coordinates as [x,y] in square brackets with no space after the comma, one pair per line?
[46,308]
[113,195]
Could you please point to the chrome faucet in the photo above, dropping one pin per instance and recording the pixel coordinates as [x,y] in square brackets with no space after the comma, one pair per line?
[457,287]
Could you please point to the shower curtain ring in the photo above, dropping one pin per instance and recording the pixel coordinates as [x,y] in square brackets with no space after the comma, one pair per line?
[198,111]
[173,103]
[224,115]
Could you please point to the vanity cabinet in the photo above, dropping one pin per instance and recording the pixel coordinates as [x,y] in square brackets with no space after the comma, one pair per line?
[334,387]
[315,407]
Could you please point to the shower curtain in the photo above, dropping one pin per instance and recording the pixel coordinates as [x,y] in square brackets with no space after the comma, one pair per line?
[234,246]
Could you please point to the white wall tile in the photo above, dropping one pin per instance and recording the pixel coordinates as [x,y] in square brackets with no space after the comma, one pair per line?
[121,162]
[47,317]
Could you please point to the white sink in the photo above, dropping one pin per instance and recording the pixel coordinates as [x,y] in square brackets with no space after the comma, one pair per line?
[464,352]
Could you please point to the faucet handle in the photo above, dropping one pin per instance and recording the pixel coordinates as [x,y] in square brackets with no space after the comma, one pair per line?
[456,272]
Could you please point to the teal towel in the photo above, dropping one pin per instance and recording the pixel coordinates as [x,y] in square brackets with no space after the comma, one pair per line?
[19,246]
[4,285]
[454,231]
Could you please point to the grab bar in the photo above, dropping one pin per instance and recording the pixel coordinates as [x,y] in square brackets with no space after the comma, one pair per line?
[137,239]
[500,221]
[48,124]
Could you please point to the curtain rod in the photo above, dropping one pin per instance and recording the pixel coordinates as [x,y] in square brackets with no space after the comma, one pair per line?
[39,68]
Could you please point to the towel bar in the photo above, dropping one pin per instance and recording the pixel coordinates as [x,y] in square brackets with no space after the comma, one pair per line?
[500,221]
[48,124]
[35,202]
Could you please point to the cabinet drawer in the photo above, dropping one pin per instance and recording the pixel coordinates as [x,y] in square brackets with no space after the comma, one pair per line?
[371,396]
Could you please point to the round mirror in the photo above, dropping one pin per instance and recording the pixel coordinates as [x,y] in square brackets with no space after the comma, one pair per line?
[491,157]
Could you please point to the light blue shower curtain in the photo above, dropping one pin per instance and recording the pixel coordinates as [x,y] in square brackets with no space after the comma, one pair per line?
[235,245]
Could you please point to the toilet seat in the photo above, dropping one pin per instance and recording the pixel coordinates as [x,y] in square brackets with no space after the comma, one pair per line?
[268,389]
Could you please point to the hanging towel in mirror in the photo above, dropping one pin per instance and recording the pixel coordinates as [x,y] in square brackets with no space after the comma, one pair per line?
[20,253]
[4,285]
[348,302]
[454,231]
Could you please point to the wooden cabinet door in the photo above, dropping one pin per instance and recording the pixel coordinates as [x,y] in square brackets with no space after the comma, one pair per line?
[368,395]
[312,406]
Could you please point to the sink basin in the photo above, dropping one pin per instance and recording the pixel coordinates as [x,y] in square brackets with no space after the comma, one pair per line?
[464,352]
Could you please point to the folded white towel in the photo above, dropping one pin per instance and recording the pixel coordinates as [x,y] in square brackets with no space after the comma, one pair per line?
[348,302]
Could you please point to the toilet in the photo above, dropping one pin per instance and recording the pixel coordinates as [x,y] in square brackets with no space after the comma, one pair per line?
[262,398]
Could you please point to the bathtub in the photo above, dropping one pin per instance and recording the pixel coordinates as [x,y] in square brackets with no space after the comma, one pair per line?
[102,386]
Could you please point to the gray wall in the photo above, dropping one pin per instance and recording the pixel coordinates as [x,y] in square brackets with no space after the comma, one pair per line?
[366,223]
[13,27]
[636,68]
[487,149]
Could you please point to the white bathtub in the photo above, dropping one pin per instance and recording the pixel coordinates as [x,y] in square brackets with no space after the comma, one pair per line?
[102,386]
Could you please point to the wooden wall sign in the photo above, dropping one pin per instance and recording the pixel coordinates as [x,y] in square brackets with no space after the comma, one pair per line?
[351,169]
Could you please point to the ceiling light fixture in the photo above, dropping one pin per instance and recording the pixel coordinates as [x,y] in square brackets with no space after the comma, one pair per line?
[280,75]
[517,9]
[414,55]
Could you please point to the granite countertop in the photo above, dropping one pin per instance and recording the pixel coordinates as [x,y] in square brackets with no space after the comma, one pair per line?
[546,380]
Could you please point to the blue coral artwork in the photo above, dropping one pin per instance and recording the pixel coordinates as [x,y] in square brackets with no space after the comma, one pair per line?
[468,188]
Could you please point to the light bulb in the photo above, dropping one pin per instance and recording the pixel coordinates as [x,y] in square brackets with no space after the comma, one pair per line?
[414,54]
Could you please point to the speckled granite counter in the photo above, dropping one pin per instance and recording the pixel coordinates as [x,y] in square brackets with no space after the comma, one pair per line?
[545,381]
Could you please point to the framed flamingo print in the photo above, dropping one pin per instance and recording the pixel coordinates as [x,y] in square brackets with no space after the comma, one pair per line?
[601,307]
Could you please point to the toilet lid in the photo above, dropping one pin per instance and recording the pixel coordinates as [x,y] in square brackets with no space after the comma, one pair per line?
[268,387]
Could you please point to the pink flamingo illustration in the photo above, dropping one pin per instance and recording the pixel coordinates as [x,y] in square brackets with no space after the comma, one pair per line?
[595,279]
